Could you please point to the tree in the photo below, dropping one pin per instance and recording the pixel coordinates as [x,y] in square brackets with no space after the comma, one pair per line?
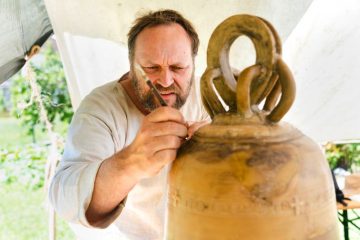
[50,78]
[346,156]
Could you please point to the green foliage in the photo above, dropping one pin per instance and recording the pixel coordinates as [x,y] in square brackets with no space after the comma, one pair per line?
[13,134]
[23,215]
[51,79]
[346,156]
[23,165]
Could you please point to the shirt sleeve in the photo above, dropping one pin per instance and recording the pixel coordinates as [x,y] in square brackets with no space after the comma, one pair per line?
[89,142]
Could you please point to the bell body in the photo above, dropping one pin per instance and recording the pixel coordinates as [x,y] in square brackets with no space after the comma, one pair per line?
[242,179]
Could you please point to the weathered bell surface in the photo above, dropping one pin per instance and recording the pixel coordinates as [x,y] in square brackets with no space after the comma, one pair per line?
[246,175]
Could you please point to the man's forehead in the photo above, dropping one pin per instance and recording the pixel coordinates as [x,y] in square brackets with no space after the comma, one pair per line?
[168,43]
[163,34]
[163,57]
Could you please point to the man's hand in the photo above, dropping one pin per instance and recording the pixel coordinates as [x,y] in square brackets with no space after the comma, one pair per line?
[161,134]
[155,145]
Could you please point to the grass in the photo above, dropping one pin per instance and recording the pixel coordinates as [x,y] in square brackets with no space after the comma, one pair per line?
[12,133]
[24,215]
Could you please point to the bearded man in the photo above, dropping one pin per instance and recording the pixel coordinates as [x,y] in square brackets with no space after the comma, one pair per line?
[121,141]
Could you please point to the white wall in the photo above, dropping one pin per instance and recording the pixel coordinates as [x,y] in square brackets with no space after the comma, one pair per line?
[320,45]
[82,25]
[324,53]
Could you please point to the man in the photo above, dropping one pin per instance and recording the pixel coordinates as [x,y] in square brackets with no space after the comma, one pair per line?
[121,141]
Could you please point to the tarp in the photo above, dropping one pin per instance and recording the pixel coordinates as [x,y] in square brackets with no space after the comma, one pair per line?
[23,23]
[324,53]
[92,41]
[320,44]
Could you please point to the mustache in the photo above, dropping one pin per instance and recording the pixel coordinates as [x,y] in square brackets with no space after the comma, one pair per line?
[170,89]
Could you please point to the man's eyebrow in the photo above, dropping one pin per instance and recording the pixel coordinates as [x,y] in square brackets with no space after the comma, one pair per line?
[183,65]
[150,63]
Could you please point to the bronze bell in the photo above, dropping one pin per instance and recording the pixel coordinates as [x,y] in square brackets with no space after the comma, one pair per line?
[246,175]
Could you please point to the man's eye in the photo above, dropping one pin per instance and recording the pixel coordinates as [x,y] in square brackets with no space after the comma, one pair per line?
[151,69]
[176,68]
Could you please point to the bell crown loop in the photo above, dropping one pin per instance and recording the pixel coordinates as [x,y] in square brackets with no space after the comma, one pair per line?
[268,79]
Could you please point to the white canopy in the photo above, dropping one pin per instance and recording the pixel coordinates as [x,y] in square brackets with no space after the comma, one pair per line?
[324,54]
[319,44]
[23,23]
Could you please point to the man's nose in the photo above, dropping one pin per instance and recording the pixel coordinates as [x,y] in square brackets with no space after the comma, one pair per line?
[166,78]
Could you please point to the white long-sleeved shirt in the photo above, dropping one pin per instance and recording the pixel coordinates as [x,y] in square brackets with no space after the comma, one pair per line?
[106,122]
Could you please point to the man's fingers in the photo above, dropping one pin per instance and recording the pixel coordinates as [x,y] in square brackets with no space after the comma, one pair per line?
[163,114]
[169,128]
